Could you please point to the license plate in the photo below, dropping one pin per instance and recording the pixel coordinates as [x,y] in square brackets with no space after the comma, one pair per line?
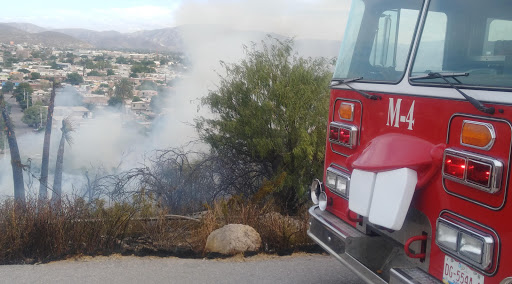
[458,273]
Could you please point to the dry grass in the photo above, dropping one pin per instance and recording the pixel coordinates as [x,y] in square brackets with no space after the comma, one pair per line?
[41,232]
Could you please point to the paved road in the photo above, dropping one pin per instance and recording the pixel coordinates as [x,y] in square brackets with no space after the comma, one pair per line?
[302,268]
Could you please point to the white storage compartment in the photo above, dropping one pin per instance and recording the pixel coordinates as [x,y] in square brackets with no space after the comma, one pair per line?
[361,191]
[392,197]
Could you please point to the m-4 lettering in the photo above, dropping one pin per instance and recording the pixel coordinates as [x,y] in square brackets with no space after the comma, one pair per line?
[394,117]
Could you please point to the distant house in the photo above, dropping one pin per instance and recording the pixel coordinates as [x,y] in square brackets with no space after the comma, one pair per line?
[16,76]
[99,100]
[60,112]
[64,66]
[40,96]
[147,94]
[4,76]
[140,106]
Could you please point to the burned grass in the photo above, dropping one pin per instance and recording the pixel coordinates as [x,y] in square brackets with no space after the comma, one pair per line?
[39,232]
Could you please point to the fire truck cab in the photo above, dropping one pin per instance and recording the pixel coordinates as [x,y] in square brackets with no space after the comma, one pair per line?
[419,140]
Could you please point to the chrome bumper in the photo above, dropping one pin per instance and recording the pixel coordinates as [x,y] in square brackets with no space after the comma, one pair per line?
[375,259]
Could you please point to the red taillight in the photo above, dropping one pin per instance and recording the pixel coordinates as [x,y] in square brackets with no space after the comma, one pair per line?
[344,136]
[479,173]
[454,166]
[474,170]
[334,133]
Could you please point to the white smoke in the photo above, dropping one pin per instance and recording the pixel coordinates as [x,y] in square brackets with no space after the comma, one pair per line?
[213,31]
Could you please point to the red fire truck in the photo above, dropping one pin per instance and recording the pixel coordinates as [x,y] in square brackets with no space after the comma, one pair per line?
[418,154]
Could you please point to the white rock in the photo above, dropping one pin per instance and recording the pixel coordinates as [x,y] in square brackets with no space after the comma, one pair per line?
[233,239]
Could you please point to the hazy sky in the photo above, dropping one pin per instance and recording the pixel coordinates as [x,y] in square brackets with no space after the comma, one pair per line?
[323,19]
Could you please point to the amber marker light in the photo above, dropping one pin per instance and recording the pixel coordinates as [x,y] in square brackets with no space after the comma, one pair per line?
[346,111]
[477,135]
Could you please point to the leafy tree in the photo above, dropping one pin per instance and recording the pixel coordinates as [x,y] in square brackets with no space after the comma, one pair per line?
[35,116]
[116,102]
[136,99]
[110,72]
[7,87]
[271,112]
[148,85]
[124,89]
[89,64]
[22,93]
[141,68]
[164,61]
[102,64]
[122,60]
[35,75]
[74,78]
[134,75]
[24,70]
[36,54]
[94,73]
[55,66]
[70,58]
[103,85]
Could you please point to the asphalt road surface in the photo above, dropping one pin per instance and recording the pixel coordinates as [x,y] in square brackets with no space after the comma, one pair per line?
[301,268]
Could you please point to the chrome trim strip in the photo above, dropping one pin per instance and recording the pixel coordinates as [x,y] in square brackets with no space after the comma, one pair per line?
[411,276]
[508,162]
[489,126]
[338,166]
[353,134]
[495,177]
[352,114]
[497,240]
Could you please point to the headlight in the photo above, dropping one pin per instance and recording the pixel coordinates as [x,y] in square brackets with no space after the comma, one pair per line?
[447,236]
[337,181]
[342,185]
[330,179]
[465,242]
[471,247]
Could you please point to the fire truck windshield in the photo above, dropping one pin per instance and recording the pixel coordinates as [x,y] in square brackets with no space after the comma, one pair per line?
[466,36]
[378,39]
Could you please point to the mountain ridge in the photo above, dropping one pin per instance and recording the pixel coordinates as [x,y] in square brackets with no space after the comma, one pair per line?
[164,39]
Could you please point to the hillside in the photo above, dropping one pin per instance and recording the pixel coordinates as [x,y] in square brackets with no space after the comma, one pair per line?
[181,38]
[9,34]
